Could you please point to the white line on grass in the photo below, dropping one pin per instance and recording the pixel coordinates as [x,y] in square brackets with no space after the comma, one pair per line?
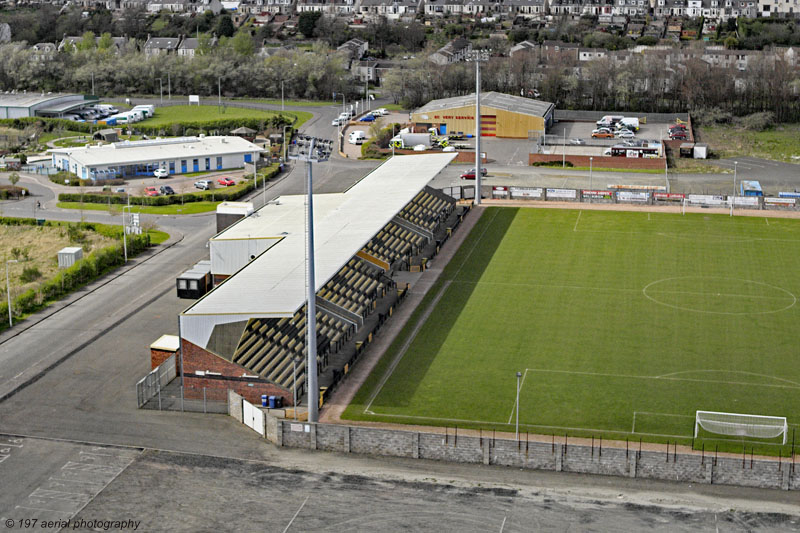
[475,244]
[297,513]
[766,220]
[632,376]
[577,220]
[417,328]
[789,295]
[732,372]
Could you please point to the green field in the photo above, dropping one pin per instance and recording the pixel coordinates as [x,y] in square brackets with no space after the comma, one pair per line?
[622,324]
[166,116]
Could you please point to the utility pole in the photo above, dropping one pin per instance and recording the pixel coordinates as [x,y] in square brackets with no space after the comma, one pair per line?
[478,56]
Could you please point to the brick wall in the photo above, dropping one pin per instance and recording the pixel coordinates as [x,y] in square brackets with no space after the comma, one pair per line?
[159,356]
[196,358]
[599,162]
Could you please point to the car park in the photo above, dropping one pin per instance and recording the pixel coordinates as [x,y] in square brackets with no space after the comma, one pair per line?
[603,135]
[576,141]
[151,191]
[203,184]
[167,190]
[225,181]
[161,173]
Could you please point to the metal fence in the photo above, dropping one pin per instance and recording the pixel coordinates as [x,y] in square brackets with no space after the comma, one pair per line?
[150,386]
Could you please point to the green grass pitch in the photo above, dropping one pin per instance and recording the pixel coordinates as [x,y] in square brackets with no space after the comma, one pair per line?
[623,325]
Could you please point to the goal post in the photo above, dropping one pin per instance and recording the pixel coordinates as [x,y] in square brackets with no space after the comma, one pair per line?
[741,425]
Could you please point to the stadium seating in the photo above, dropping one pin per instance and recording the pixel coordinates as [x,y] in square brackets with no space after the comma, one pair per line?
[427,209]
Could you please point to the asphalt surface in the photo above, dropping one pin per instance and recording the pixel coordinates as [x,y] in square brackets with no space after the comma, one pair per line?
[68,378]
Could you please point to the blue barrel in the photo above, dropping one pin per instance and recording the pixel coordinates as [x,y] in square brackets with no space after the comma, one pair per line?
[263,400]
[272,402]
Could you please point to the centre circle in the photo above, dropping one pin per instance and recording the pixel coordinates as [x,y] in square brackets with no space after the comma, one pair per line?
[719,295]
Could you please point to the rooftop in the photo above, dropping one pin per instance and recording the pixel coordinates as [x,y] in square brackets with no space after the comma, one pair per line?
[127,152]
[273,284]
[506,102]
[31,99]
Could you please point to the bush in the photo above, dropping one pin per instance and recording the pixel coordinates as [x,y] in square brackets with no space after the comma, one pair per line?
[30,274]
[551,164]
[708,116]
[758,121]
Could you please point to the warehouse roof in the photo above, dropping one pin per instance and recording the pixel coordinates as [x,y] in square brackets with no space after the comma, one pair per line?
[131,152]
[506,102]
[31,99]
[273,284]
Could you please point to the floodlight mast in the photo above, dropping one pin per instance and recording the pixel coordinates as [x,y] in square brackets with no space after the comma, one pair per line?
[478,56]
[311,150]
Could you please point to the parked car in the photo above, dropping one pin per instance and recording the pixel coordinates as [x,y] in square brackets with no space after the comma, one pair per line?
[679,137]
[167,190]
[161,173]
[602,130]
[203,184]
[576,141]
[381,112]
[470,174]
[120,189]
[603,135]
[356,137]
[367,118]
[151,191]
[625,134]
[338,121]
[225,181]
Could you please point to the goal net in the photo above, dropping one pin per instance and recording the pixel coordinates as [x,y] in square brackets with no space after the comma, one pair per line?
[739,425]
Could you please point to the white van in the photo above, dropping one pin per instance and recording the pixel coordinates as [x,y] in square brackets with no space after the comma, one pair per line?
[357,137]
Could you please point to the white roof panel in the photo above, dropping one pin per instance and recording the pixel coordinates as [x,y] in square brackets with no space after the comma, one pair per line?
[127,152]
[273,284]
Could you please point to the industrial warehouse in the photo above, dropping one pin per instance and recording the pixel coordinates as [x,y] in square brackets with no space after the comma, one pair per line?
[178,156]
[248,334]
[23,105]
[502,115]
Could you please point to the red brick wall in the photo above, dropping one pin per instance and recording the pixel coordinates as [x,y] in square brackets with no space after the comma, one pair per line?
[600,161]
[159,356]
[196,358]
[461,157]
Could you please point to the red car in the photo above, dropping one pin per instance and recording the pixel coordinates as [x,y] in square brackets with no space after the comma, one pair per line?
[225,181]
[151,191]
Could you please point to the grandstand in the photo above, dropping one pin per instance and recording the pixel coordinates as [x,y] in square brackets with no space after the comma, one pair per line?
[248,334]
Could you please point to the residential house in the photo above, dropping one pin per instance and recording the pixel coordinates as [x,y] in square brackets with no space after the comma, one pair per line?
[443,7]
[566,7]
[118,44]
[44,51]
[161,45]
[694,8]
[453,52]
[215,6]
[354,49]
[173,6]
[631,7]
[712,10]
[525,47]
[525,8]
[589,54]
[372,71]
[778,8]
[189,45]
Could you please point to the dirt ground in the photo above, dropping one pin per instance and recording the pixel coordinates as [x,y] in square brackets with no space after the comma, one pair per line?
[38,246]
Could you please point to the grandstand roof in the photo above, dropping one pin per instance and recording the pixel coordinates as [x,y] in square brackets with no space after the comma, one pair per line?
[506,102]
[273,284]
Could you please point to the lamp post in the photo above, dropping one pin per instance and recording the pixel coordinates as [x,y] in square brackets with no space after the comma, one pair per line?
[478,56]
[735,165]
[161,89]
[8,291]
[311,150]
[219,94]
[519,375]
[92,82]
[169,87]
[590,171]
[282,104]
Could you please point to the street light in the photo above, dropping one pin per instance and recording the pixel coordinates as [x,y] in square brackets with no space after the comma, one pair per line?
[219,94]
[282,105]
[311,150]
[519,375]
[8,291]
[478,56]
[161,89]
[735,165]
[590,171]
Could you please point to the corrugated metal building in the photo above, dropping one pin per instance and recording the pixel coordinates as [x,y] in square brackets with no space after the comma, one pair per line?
[502,115]
[42,105]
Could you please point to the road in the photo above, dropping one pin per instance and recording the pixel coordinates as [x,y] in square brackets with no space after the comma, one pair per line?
[68,377]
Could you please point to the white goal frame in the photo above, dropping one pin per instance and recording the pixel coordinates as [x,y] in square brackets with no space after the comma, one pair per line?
[742,425]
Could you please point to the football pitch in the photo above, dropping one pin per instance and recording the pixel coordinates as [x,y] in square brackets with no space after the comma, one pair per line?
[622,325]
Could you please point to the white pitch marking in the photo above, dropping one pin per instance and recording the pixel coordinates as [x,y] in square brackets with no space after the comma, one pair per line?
[575,228]
[297,513]
[503,525]
[76,480]
[521,384]
[41,509]
[648,215]
[766,220]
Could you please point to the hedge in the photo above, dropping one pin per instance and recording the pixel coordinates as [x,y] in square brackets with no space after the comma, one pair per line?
[96,264]
[231,194]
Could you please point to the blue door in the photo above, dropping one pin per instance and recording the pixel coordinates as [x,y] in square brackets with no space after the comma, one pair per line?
[195,165]
[183,166]
[442,129]
[172,167]
[248,158]
[208,163]
[219,163]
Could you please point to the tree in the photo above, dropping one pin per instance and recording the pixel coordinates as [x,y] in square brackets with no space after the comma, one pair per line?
[105,42]
[242,43]
[87,42]
[13,178]
[307,22]
[225,26]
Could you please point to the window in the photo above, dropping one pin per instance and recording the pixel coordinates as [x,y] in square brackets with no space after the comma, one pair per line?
[208,163]
[182,284]
[192,284]
[219,163]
